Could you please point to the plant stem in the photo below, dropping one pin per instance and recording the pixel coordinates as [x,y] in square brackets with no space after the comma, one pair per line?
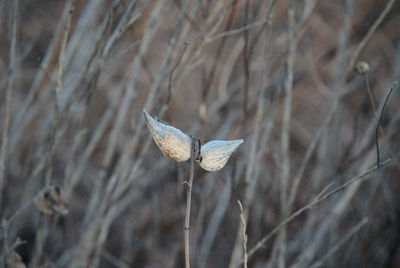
[188,203]
[8,94]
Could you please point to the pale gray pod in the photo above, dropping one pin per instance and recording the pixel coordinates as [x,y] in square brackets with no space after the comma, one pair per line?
[215,154]
[172,142]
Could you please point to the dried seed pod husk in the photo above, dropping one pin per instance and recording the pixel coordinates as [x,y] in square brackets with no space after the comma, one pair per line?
[15,261]
[49,201]
[362,67]
[216,153]
[172,142]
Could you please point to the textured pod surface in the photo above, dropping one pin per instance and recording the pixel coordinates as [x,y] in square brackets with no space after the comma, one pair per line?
[215,154]
[172,142]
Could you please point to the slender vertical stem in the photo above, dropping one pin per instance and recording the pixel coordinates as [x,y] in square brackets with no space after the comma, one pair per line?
[188,203]
[8,94]
[285,134]
[244,235]
[41,233]
[38,248]
[370,94]
[58,90]
[367,37]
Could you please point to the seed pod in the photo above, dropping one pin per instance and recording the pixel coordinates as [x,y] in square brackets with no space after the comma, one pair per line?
[15,261]
[49,201]
[172,142]
[362,67]
[215,154]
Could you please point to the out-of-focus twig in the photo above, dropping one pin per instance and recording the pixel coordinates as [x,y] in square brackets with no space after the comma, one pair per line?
[58,91]
[216,222]
[340,243]
[237,31]
[300,211]
[244,235]
[370,32]
[370,93]
[380,122]
[256,146]
[171,74]
[126,21]
[189,185]
[8,92]
[39,241]
[285,132]
[23,117]
[41,236]
[5,224]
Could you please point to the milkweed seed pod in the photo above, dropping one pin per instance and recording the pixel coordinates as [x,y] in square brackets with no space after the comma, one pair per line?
[172,142]
[215,154]
[49,201]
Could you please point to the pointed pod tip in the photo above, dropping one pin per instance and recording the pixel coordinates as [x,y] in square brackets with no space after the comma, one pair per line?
[148,117]
[146,114]
[236,142]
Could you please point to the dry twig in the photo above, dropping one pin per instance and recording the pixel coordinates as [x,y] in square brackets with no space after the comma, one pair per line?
[378,156]
[310,205]
[244,235]
[8,93]
[189,185]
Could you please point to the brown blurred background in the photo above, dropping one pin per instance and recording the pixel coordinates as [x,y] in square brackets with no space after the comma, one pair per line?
[76,75]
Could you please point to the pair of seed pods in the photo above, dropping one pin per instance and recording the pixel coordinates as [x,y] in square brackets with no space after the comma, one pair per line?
[176,145]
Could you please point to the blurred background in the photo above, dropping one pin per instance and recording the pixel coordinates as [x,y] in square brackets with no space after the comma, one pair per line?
[283,75]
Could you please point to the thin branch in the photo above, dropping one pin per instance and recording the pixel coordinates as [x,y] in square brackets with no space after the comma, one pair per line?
[237,31]
[258,143]
[23,116]
[380,122]
[246,63]
[41,235]
[114,260]
[5,224]
[330,252]
[300,211]
[324,190]
[58,90]
[322,129]
[370,32]
[125,23]
[173,70]
[8,92]
[370,93]
[244,235]
[285,134]
[188,202]
[61,57]
[210,233]
[39,241]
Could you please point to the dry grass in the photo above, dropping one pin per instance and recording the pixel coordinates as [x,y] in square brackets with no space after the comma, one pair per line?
[76,75]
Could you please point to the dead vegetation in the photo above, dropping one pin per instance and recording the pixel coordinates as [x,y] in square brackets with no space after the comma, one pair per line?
[75,76]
